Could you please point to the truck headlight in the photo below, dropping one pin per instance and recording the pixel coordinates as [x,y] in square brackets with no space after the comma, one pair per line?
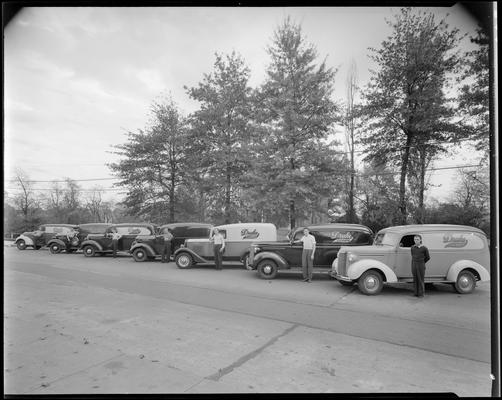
[351,257]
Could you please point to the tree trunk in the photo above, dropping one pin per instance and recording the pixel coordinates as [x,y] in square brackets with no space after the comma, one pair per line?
[202,206]
[172,199]
[421,210]
[351,189]
[402,183]
[227,195]
[292,214]
[292,217]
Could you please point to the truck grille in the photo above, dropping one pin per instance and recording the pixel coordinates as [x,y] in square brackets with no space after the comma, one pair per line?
[342,264]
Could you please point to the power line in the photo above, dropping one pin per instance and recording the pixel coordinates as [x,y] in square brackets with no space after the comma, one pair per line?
[336,153]
[411,146]
[65,180]
[346,174]
[77,190]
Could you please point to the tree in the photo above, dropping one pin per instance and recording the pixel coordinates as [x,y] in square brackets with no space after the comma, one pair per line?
[469,204]
[13,222]
[26,202]
[405,104]
[153,164]
[420,159]
[350,121]
[379,197]
[296,114]
[99,210]
[475,97]
[474,189]
[220,133]
[63,203]
[71,202]
[55,201]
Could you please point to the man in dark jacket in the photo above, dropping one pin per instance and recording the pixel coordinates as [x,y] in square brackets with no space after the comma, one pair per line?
[419,256]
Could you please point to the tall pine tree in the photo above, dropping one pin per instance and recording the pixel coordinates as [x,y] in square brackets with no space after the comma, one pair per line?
[296,113]
[220,132]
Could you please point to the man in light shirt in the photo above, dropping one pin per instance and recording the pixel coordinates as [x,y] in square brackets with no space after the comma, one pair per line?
[308,255]
[115,241]
[219,245]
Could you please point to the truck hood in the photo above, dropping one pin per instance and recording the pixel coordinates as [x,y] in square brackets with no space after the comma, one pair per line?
[197,240]
[31,233]
[366,250]
[271,244]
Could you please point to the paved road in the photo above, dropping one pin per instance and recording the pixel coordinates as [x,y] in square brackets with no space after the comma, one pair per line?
[102,325]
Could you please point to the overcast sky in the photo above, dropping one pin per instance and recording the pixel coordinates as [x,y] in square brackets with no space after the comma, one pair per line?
[77,79]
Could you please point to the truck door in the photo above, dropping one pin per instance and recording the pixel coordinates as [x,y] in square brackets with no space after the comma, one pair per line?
[402,265]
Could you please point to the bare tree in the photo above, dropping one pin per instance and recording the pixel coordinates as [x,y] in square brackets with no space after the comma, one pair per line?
[350,123]
[474,190]
[71,195]
[25,201]
[94,204]
[55,198]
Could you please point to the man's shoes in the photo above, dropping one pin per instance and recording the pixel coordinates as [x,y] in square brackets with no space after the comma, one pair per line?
[309,280]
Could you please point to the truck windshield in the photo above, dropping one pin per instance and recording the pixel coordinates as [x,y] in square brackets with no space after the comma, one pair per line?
[386,239]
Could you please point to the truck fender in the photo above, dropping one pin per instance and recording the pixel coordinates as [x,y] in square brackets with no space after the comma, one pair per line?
[460,265]
[92,243]
[58,241]
[29,241]
[195,256]
[149,250]
[356,269]
[280,261]
[244,254]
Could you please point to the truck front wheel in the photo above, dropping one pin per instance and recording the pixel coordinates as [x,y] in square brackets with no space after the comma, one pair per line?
[370,282]
[267,269]
[184,260]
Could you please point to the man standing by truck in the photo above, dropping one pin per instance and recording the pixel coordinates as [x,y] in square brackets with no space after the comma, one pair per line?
[115,241]
[218,248]
[308,255]
[419,256]
[166,238]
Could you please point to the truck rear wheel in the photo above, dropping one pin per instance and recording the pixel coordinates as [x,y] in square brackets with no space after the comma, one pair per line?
[466,282]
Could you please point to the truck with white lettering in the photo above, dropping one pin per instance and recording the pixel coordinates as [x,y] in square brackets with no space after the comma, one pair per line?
[268,258]
[459,255]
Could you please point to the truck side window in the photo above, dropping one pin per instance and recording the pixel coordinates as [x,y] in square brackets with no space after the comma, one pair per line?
[298,236]
[407,241]
[363,238]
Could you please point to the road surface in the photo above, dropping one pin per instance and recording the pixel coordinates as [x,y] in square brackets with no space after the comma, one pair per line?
[74,324]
